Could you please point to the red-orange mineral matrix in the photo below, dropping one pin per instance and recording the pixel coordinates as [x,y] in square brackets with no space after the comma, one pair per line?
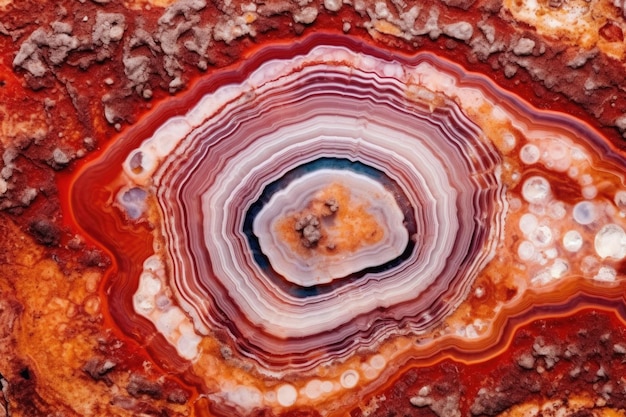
[276,208]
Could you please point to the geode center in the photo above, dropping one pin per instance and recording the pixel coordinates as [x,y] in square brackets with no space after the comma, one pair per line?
[329,224]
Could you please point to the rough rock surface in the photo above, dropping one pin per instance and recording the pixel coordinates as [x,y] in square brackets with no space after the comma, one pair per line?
[75,73]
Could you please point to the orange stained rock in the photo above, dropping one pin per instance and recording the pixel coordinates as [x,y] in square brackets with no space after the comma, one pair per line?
[586,24]
[351,227]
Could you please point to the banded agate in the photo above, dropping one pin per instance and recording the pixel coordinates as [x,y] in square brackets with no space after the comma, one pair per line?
[466,192]
[244,139]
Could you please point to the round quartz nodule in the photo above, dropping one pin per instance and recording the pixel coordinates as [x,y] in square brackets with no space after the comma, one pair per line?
[606,274]
[133,201]
[529,154]
[559,268]
[286,395]
[610,242]
[584,213]
[528,223]
[349,379]
[313,388]
[329,224]
[526,250]
[536,190]
[572,241]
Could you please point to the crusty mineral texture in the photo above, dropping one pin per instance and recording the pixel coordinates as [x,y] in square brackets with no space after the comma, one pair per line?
[76,75]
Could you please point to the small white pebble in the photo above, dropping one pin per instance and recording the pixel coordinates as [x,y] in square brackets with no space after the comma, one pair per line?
[526,250]
[590,192]
[528,223]
[536,190]
[541,236]
[619,348]
[584,212]
[479,292]
[60,157]
[610,242]
[524,46]
[459,30]
[286,395]
[349,378]
[572,241]
[313,389]
[558,268]
[606,274]
[306,16]
[333,5]
[529,154]
[378,362]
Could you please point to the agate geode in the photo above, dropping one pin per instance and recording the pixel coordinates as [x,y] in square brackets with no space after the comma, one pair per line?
[322,213]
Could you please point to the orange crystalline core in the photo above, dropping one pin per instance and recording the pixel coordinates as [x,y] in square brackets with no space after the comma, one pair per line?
[349,228]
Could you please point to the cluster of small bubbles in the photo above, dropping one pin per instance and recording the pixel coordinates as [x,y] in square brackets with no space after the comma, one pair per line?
[316,388]
[541,232]
[543,219]
[152,302]
[535,225]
